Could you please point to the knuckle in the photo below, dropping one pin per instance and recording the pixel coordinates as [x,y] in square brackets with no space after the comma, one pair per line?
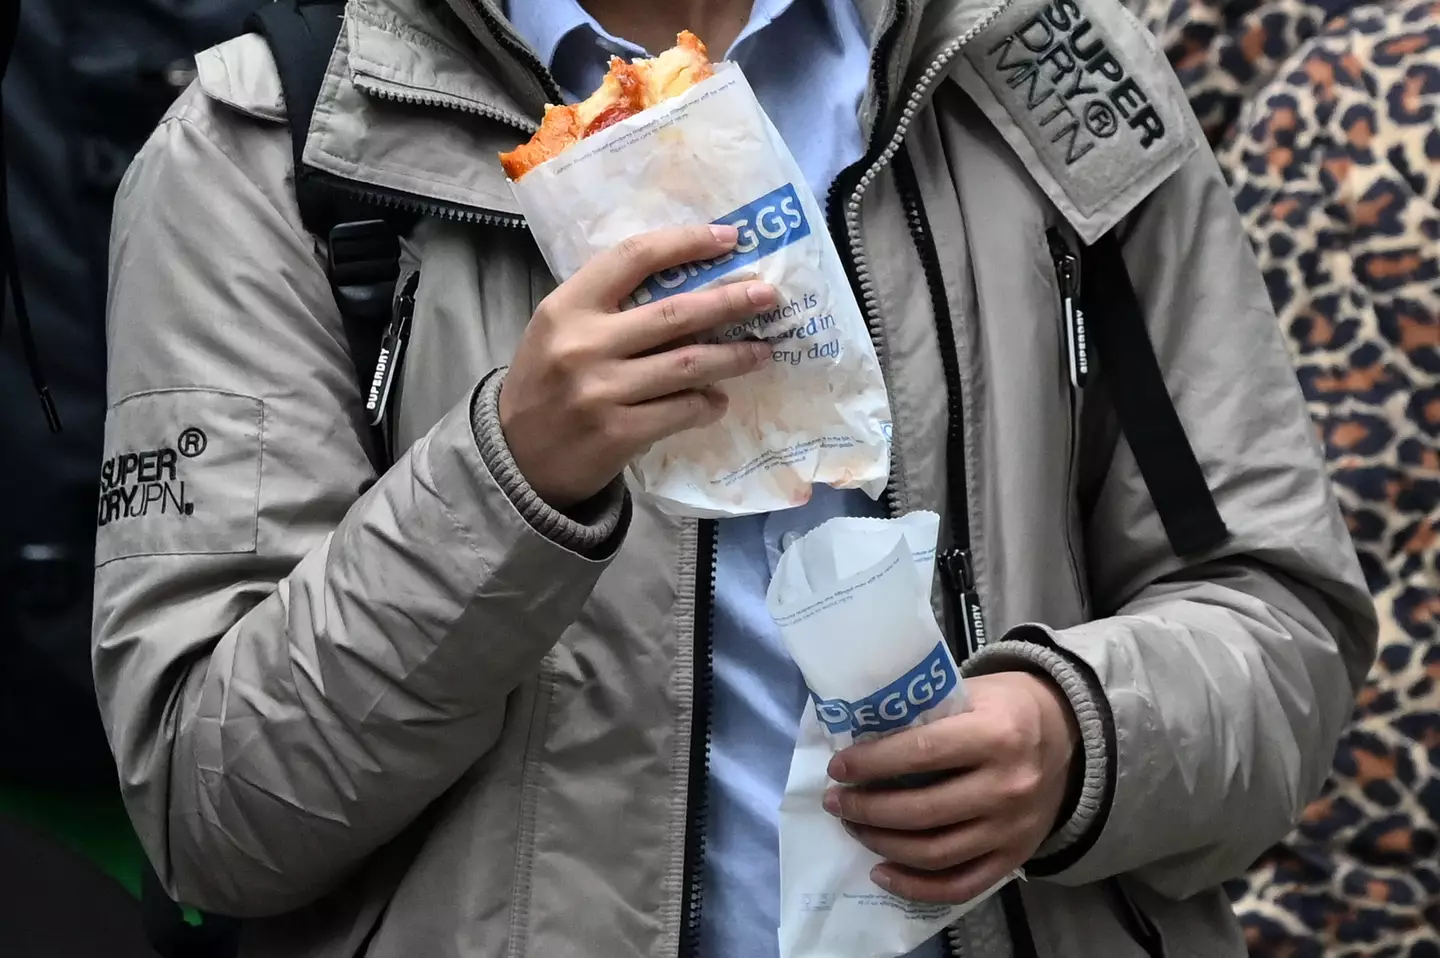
[932,855]
[697,408]
[915,888]
[545,312]
[1035,823]
[690,366]
[743,358]
[670,315]
[732,301]
[613,429]
[959,889]
[929,812]
[1011,736]
[698,234]
[588,396]
[570,353]
[632,249]
[1022,783]
[924,749]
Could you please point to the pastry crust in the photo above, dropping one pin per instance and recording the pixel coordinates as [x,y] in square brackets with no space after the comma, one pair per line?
[627,89]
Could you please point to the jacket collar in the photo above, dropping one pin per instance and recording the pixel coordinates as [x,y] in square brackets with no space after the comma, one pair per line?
[396,55]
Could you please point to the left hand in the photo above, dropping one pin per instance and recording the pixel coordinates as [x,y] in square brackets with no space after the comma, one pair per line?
[948,842]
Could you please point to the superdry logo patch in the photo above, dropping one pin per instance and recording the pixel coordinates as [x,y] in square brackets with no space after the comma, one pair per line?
[134,484]
[1072,83]
[180,475]
[1083,97]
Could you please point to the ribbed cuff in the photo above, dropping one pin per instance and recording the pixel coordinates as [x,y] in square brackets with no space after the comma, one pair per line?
[1032,649]
[592,529]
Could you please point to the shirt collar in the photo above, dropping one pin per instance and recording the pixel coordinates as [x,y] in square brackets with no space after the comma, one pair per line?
[548,23]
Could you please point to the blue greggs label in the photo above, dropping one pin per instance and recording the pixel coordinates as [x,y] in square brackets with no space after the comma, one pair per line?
[767,224]
[896,705]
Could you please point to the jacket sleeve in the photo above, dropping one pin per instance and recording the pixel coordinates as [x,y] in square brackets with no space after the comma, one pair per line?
[289,670]
[1218,687]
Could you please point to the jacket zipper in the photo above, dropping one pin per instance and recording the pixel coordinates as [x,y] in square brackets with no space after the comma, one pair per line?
[1072,313]
[412,203]
[516,48]
[1077,361]
[837,214]
[389,91]
[956,565]
[857,178]
[697,788]
[856,181]
[697,798]
[844,222]
[426,206]
[957,569]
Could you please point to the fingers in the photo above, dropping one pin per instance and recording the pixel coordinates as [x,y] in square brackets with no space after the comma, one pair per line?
[649,422]
[954,886]
[680,317]
[932,851]
[957,742]
[957,799]
[614,274]
[689,367]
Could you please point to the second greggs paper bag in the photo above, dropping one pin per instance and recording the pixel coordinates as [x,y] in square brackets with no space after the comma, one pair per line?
[818,413]
[852,601]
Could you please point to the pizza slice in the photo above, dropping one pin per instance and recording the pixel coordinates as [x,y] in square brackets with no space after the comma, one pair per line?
[627,89]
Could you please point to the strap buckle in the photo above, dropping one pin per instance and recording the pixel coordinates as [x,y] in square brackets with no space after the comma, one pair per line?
[364,267]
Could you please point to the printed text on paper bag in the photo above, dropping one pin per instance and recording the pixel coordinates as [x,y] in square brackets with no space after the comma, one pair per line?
[897,704]
[766,224]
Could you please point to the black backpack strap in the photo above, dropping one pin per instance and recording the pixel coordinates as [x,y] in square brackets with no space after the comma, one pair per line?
[302,37]
[363,242]
[1116,327]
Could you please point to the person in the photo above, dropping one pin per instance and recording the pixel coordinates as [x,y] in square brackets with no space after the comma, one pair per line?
[487,701]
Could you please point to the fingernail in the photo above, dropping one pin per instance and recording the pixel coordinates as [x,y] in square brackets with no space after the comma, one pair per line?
[762,353]
[728,235]
[879,877]
[761,294]
[837,771]
[832,802]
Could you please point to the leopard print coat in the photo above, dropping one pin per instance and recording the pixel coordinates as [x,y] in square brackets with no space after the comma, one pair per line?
[1326,116]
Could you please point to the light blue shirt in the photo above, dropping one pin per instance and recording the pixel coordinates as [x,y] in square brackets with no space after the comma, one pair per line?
[808,62]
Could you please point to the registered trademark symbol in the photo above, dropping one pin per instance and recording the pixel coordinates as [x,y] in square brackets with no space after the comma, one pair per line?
[1100,118]
[192,443]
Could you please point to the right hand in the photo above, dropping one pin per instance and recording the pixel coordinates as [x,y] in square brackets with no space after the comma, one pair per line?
[592,387]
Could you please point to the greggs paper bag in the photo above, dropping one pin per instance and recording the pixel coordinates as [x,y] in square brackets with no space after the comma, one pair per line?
[818,413]
[852,600]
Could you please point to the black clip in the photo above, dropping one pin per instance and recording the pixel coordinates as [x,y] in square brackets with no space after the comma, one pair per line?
[364,267]
[392,351]
[957,571]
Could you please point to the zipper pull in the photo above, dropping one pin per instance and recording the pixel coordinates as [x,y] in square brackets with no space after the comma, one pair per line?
[958,574]
[1067,270]
[392,348]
